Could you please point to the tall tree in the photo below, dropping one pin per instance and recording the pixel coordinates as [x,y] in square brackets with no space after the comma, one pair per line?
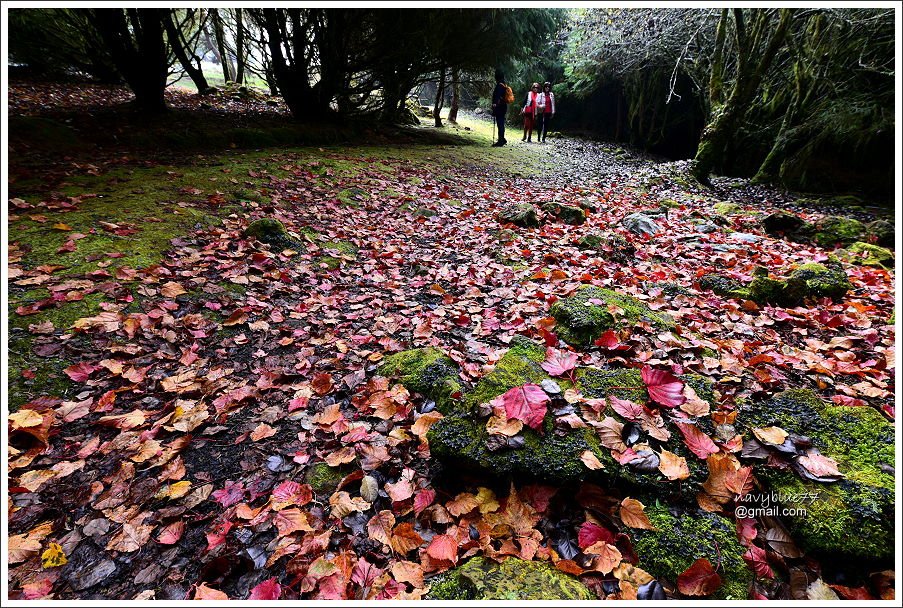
[134,37]
[456,96]
[757,39]
[183,49]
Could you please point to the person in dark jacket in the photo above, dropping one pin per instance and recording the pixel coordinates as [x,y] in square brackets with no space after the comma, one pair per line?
[499,107]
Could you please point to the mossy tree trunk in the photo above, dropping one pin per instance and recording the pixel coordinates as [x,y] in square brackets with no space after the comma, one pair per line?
[755,46]
[220,37]
[440,98]
[456,95]
[240,50]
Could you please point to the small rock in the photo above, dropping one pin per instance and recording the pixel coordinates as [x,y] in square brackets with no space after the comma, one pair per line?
[744,237]
[639,223]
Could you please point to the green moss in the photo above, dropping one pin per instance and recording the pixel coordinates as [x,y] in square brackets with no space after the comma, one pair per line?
[323,478]
[551,456]
[724,208]
[682,537]
[669,203]
[590,241]
[566,214]
[427,371]
[521,214]
[352,196]
[581,322]
[824,281]
[272,232]
[513,579]
[245,194]
[866,254]
[833,230]
[851,517]
[518,366]
[881,232]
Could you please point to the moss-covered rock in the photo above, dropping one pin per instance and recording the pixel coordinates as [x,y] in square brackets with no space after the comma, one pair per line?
[781,222]
[824,280]
[584,316]
[323,478]
[518,366]
[725,208]
[427,371]
[866,254]
[522,214]
[590,241]
[566,214]
[854,516]
[682,536]
[272,232]
[512,579]
[721,285]
[882,232]
[833,230]
[613,247]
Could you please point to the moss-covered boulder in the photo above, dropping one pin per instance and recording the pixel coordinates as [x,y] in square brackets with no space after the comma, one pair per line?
[781,222]
[584,316]
[513,579]
[721,285]
[566,214]
[519,365]
[823,280]
[854,516]
[882,232]
[682,536]
[323,478]
[427,371]
[272,232]
[522,214]
[614,247]
[866,254]
[836,230]
[725,208]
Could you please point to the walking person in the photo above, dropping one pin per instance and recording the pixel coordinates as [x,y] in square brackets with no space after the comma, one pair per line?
[530,112]
[501,97]
[545,111]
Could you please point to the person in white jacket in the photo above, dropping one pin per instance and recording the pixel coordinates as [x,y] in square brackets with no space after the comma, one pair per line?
[545,110]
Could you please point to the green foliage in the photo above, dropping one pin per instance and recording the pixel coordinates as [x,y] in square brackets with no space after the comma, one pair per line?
[512,579]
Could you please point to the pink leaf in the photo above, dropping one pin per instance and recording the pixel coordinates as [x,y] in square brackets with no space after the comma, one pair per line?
[608,339]
[526,403]
[230,494]
[591,533]
[269,589]
[423,499]
[627,409]
[663,386]
[558,363]
[757,560]
[81,371]
[698,442]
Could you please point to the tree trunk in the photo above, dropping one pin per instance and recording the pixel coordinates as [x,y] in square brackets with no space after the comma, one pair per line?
[716,82]
[135,39]
[220,36]
[440,98]
[240,51]
[177,44]
[752,65]
[456,95]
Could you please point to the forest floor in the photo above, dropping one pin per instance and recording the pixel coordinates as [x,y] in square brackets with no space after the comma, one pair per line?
[197,414]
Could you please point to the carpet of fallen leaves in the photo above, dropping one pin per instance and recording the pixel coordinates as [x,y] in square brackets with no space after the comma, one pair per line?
[178,468]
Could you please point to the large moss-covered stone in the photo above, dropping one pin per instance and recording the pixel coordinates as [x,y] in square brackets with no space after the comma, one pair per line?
[584,316]
[427,371]
[854,516]
[882,232]
[522,214]
[566,214]
[513,579]
[833,230]
[781,222]
[272,232]
[682,536]
[613,247]
[518,366]
[866,254]
[823,280]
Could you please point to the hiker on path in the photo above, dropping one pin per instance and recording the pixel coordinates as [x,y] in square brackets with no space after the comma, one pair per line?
[545,110]
[530,112]
[501,97]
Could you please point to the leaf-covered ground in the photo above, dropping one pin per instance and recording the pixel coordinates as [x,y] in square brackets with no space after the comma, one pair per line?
[199,415]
